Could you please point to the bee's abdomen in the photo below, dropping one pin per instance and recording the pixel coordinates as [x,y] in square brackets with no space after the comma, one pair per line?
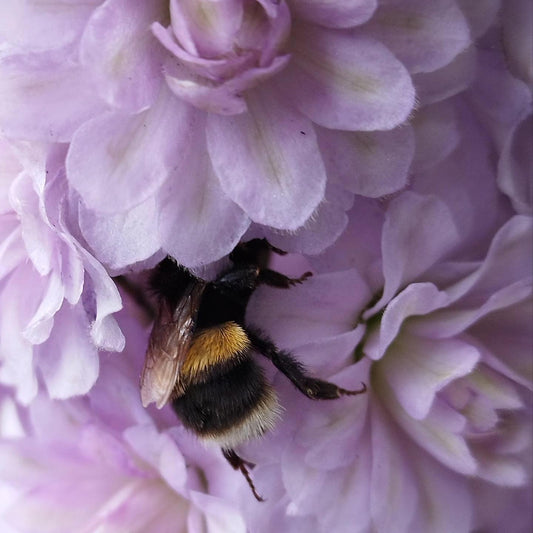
[231,406]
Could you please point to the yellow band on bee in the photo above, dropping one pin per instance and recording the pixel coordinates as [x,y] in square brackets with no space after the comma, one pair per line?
[212,346]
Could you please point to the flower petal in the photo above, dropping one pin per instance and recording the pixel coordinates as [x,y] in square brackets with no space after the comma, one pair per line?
[360,244]
[267,161]
[10,167]
[465,182]
[34,25]
[480,14]
[417,368]
[17,368]
[338,14]
[443,490]
[393,496]
[324,227]
[517,18]
[447,81]
[123,58]
[416,299]
[408,247]
[198,223]
[368,163]
[47,81]
[117,161]
[122,239]
[325,306]
[346,82]
[424,36]
[100,307]
[69,360]
[40,325]
[439,433]
[514,167]
[437,134]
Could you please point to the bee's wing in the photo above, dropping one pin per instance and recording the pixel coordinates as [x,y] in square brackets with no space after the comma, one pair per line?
[168,346]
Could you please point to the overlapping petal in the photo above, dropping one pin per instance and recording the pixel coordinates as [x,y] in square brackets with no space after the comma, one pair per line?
[122,58]
[47,80]
[347,81]
[425,37]
[268,162]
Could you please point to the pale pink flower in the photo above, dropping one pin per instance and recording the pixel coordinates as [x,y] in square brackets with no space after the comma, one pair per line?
[210,115]
[56,299]
[100,463]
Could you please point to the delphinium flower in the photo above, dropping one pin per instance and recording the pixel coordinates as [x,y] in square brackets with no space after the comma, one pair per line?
[57,300]
[210,115]
[103,463]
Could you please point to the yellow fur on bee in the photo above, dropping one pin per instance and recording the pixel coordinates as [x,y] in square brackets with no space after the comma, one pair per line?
[214,345]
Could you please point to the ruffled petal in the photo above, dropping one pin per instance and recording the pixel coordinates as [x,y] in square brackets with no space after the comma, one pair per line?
[337,14]
[122,239]
[514,167]
[448,322]
[17,369]
[51,81]
[40,325]
[334,418]
[9,168]
[39,240]
[465,182]
[102,300]
[123,58]
[517,16]
[437,135]
[371,164]
[425,36]
[69,360]
[447,81]
[416,299]
[360,244]
[267,161]
[198,223]
[408,247]
[507,335]
[440,433]
[504,99]
[446,491]
[480,14]
[394,499]
[12,249]
[417,369]
[130,156]
[35,26]
[509,261]
[324,306]
[219,515]
[347,81]
[323,228]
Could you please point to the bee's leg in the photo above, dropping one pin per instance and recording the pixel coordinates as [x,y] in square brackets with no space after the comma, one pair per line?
[276,279]
[238,463]
[313,388]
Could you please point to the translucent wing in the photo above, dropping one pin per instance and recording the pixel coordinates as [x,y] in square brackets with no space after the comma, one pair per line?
[168,346]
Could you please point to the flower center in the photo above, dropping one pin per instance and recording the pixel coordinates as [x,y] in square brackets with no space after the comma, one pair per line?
[219,49]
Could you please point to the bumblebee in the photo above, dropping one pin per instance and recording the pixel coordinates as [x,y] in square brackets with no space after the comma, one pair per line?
[200,352]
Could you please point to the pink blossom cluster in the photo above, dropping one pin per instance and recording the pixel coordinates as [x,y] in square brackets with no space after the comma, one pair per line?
[385,144]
